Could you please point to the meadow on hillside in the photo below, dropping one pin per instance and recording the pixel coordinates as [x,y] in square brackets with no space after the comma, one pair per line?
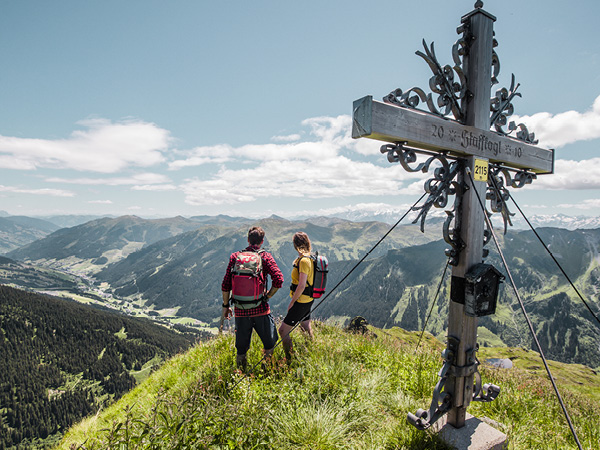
[342,391]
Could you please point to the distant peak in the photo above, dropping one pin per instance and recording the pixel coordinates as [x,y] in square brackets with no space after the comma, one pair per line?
[276,217]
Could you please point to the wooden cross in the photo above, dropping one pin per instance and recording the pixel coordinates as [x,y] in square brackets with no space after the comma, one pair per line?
[473,141]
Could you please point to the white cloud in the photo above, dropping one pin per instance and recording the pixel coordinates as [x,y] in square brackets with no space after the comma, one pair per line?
[415,188]
[574,175]
[216,154]
[307,170]
[256,153]
[12,163]
[564,128]
[136,179]
[50,192]
[327,137]
[585,204]
[101,202]
[103,146]
[155,187]
[289,138]
[335,177]
[331,129]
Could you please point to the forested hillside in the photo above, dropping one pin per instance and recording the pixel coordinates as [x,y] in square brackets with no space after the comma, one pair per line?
[176,273]
[92,245]
[37,277]
[16,231]
[399,289]
[62,361]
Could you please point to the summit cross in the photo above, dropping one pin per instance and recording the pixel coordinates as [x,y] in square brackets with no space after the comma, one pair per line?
[481,156]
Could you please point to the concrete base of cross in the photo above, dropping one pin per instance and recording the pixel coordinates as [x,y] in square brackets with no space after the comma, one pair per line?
[475,435]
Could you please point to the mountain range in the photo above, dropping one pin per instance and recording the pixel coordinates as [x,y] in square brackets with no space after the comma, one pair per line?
[391,215]
[174,267]
[33,228]
[92,245]
[16,231]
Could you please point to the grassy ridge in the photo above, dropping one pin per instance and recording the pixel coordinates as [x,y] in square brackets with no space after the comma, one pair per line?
[343,391]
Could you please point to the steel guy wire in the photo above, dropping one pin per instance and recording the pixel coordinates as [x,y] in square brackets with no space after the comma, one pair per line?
[332,290]
[552,256]
[433,304]
[529,324]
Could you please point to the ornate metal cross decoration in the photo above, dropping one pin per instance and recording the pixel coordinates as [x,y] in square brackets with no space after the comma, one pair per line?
[462,133]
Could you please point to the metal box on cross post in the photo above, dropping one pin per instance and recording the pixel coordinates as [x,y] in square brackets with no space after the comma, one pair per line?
[482,283]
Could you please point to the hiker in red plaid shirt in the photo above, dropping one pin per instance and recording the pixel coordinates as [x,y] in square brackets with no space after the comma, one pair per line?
[257,318]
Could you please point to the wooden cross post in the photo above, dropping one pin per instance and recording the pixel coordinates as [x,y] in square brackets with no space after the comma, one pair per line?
[471,140]
[478,70]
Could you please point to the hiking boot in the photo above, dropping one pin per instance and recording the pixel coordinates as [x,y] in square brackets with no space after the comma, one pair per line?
[289,355]
[267,361]
[241,362]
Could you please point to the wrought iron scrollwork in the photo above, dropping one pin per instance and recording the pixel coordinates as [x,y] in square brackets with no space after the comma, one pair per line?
[450,85]
[486,393]
[405,156]
[452,233]
[498,195]
[523,133]
[502,107]
[481,393]
[408,99]
[440,187]
[499,180]
[495,62]
[442,400]
[487,237]
[450,89]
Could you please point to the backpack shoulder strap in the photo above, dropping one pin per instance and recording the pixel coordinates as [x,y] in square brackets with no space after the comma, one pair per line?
[297,266]
[298,259]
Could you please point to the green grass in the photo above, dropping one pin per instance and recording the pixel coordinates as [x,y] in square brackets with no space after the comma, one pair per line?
[143,374]
[342,391]
[121,334]
[574,378]
[486,338]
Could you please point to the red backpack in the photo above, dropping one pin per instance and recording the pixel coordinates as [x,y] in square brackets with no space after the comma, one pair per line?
[249,283]
[320,269]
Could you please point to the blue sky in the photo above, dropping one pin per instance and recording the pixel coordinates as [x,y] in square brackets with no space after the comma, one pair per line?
[158,108]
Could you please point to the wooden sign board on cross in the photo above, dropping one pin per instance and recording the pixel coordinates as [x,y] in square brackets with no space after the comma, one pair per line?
[389,123]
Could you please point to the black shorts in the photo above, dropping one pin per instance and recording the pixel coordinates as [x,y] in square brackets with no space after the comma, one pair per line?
[298,312]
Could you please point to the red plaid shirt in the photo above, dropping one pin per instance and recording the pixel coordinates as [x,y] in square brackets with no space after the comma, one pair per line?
[269,266]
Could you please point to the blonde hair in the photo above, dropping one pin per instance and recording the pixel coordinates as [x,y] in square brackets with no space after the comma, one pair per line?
[302,243]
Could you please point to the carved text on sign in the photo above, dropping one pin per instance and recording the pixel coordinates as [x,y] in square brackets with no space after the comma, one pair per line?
[426,131]
[483,144]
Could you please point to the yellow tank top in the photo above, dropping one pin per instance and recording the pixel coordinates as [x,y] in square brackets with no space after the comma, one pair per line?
[303,265]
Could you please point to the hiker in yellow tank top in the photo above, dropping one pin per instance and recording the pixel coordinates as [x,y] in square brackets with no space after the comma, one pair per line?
[300,304]
[303,265]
